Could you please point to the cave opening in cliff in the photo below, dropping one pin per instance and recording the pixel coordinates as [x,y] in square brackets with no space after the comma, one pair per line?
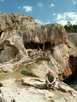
[73,65]
[34,45]
[1,33]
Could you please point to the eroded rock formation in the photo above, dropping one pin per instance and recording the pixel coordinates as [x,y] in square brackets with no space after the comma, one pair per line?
[21,35]
[33,49]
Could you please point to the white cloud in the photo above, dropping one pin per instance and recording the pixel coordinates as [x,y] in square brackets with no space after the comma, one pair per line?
[67,16]
[27,8]
[41,22]
[63,22]
[52,5]
[39,4]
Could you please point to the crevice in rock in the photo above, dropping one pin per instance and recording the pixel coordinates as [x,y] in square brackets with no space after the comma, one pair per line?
[73,65]
[1,33]
[34,45]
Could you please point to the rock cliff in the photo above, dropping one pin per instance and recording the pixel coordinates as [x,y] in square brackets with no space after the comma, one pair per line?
[27,47]
[19,34]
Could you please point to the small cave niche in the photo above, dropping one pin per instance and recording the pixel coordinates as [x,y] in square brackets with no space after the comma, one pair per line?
[1,33]
[73,65]
[34,45]
[7,52]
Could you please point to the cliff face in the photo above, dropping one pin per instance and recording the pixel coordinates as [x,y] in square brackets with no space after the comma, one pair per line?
[21,36]
[27,52]
[73,38]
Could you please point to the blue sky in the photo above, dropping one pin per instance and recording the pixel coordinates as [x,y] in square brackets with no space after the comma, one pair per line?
[43,11]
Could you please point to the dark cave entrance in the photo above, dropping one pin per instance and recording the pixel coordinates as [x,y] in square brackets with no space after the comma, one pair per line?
[1,33]
[34,45]
[73,65]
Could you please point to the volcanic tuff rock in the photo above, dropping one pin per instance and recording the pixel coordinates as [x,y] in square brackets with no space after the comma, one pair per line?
[40,48]
[18,34]
[73,38]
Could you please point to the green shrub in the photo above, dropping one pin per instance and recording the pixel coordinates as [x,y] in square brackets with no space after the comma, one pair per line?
[27,72]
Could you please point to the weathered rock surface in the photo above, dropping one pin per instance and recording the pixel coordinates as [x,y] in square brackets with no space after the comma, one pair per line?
[40,48]
[73,38]
[18,34]
[13,90]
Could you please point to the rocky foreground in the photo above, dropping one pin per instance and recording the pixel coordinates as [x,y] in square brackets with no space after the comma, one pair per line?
[27,51]
[16,91]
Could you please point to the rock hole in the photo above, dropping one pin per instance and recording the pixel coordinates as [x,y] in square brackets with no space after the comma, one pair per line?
[34,45]
[1,33]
